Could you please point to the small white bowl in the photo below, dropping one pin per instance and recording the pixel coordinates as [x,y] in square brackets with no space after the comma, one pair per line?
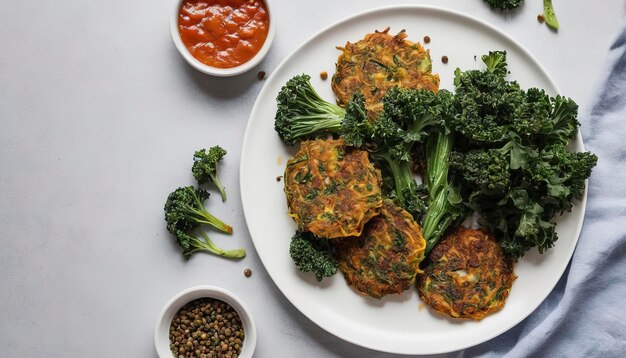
[215,71]
[162,330]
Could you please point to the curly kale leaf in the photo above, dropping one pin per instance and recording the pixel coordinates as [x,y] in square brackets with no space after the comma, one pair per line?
[311,254]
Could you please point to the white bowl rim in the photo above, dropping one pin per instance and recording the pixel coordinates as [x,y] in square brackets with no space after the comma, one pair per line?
[215,71]
[161,330]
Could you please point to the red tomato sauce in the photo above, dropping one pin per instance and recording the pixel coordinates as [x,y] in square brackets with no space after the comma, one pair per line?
[223,33]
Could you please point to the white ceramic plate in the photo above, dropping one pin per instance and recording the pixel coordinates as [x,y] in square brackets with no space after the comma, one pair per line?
[396,323]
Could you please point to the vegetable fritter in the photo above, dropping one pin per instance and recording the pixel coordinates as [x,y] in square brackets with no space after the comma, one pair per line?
[385,258]
[332,191]
[468,276]
[378,62]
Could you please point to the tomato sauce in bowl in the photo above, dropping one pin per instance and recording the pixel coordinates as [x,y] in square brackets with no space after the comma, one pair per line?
[223,33]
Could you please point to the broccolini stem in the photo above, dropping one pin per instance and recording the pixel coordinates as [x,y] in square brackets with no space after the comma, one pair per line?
[438,149]
[208,246]
[402,175]
[219,186]
[206,217]
[305,125]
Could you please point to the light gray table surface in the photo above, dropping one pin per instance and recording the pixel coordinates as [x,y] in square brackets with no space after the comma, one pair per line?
[100,116]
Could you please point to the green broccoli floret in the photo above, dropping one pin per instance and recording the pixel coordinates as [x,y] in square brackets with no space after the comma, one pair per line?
[205,167]
[303,114]
[184,212]
[311,254]
[504,4]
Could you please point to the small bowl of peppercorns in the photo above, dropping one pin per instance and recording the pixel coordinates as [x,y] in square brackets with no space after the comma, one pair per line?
[205,322]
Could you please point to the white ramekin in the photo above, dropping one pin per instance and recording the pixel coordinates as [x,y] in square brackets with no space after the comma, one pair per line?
[162,329]
[215,71]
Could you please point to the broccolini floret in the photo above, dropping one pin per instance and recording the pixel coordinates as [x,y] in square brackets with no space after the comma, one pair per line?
[204,167]
[185,212]
[311,254]
[303,114]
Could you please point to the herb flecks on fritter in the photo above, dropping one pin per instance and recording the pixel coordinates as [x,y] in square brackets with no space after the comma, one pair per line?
[332,191]
[468,276]
[385,258]
[378,62]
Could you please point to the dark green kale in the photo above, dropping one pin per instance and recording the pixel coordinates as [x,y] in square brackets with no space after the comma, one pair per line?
[205,167]
[511,158]
[311,254]
[504,4]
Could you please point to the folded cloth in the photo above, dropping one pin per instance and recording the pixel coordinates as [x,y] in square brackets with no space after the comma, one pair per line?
[585,315]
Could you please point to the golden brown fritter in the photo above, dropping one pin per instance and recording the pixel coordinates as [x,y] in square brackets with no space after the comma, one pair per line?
[378,62]
[332,191]
[385,258]
[468,277]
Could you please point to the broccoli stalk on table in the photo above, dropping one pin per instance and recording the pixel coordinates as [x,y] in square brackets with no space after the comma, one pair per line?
[204,167]
[192,244]
[311,254]
[184,212]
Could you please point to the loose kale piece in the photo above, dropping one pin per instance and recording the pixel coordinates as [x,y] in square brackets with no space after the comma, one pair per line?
[311,254]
